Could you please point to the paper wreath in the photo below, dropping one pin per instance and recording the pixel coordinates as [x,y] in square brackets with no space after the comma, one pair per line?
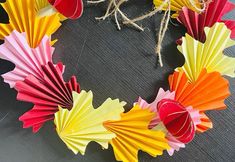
[168,123]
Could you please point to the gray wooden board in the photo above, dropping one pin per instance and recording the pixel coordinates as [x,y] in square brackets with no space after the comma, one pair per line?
[116,64]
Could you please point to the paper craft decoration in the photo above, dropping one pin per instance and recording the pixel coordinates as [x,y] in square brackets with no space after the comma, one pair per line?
[156,121]
[195,22]
[40,4]
[177,120]
[153,106]
[133,135]
[26,59]
[69,8]
[177,5]
[208,92]
[46,95]
[208,55]
[83,124]
[22,17]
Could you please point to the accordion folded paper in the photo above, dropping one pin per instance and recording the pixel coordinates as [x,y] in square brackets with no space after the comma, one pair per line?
[46,95]
[195,22]
[133,135]
[208,92]
[23,18]
[153,106]
[69,8]
[170,111]
[208,55]
[177,5]
[83,124]
[40,4]
[155,123]
[26,59]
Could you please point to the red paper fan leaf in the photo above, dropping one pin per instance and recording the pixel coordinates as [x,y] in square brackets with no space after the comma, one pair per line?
[177,120]
[195,23]
[69,8]
[208,92]
[46,95]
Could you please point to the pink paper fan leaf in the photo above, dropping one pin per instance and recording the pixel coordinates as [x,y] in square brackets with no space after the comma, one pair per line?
[46,95]
[69,8]
[153,106]
[174,144]
[195,23]
[27,60]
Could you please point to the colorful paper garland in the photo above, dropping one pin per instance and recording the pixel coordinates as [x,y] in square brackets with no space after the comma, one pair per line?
[149,127]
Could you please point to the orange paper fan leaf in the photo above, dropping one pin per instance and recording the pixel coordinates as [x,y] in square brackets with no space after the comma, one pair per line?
[133,135]
[205,123]
[208,92]
[23,18]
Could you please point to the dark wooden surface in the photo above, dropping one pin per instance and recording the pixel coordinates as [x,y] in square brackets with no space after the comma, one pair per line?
[117,64]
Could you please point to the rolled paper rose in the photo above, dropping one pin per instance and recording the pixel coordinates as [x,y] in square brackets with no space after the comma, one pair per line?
[177,120]
[71,9]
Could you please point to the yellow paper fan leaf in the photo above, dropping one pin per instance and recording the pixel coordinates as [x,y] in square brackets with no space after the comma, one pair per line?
[177,5]
[208,55]
[133,135]
[40,4]
[23,18]
[83,124]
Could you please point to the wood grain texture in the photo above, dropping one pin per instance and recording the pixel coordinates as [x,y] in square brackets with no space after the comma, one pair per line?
[117,64]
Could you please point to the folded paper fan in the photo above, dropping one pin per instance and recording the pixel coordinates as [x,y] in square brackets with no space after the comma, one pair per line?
[83,124]
[133,135]
[195,22]
[156,121]
[177,5]
[208,92]
[69,8]
[23,18]
[46,95]
[177,120]
[26,59]
[205,123]
[153,106]
[40,4]
[208,55]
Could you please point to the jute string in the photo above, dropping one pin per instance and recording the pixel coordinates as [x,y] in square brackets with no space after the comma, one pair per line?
[113,9]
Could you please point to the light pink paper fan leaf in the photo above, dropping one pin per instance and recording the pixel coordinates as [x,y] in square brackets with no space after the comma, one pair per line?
[26,59]
[195,22]
[46,95]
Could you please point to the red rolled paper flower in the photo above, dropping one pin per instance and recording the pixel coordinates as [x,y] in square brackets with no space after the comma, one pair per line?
[195,22]
[177,120]
[69,8]
[46,95]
